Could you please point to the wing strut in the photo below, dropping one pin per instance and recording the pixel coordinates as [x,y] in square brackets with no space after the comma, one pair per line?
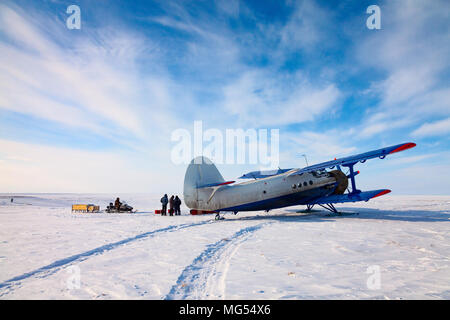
[352,178]
[329,207]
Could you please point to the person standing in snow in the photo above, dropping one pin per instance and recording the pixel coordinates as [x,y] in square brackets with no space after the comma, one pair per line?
[177,204]
[171,203]
[164,202]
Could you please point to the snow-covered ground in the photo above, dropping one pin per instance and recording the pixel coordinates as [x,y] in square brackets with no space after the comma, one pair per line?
[396,247]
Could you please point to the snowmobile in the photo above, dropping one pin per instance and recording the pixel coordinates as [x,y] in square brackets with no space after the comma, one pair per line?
[123,208]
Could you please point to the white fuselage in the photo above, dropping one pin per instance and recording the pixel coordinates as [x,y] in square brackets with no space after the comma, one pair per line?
[263,194]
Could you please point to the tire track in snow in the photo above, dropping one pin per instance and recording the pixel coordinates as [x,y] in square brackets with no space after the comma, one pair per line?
[51,268]
[205,277]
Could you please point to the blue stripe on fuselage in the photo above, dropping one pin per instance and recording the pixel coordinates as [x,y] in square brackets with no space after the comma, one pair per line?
[292,199]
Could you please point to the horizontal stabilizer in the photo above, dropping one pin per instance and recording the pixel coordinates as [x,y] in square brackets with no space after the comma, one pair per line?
[215,187]
[341,198]
[211,185]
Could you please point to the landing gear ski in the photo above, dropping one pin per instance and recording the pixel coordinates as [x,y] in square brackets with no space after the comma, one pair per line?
[218,217]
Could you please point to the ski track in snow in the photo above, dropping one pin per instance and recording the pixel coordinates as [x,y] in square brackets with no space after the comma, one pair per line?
[53,267]
[205,277]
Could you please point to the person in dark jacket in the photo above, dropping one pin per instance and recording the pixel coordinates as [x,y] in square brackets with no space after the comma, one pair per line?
[177,204]
[164,201]
[171,203]
[117,204]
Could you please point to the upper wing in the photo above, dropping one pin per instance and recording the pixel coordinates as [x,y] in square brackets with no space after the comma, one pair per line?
[381,153]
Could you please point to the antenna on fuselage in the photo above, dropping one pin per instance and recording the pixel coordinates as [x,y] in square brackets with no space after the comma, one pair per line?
[306,159]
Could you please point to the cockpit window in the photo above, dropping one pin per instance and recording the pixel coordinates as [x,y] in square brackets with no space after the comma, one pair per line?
[319,173]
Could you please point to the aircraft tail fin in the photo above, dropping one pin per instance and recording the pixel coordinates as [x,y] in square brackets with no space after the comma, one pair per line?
[200,172]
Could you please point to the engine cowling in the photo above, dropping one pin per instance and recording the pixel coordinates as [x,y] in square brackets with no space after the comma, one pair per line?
[341,180]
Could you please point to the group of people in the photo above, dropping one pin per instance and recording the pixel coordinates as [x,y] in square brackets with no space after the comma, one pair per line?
[174,205]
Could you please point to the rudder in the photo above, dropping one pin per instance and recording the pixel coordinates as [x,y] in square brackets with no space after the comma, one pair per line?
[201,171]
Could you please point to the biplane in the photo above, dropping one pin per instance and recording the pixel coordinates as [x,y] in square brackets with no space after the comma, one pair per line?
[323,184]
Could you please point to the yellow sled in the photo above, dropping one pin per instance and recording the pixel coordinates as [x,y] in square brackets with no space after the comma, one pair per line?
[85,208]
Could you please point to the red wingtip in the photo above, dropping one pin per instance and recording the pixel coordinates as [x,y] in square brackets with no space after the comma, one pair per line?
[382,193]
[405,146]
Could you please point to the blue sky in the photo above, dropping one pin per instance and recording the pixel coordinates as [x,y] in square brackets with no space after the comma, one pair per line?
[92,110]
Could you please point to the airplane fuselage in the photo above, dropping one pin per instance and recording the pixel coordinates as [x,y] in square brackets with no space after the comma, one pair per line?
[264,194]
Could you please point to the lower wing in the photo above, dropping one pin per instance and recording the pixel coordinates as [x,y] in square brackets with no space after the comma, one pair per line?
[341,198]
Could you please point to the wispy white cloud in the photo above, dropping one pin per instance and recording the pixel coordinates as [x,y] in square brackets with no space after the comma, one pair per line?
[437,128]
[256,95]
[93,83]
[317,146]
[27,167]
[263,99]
[308,28]
[229,7]
[412,51]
